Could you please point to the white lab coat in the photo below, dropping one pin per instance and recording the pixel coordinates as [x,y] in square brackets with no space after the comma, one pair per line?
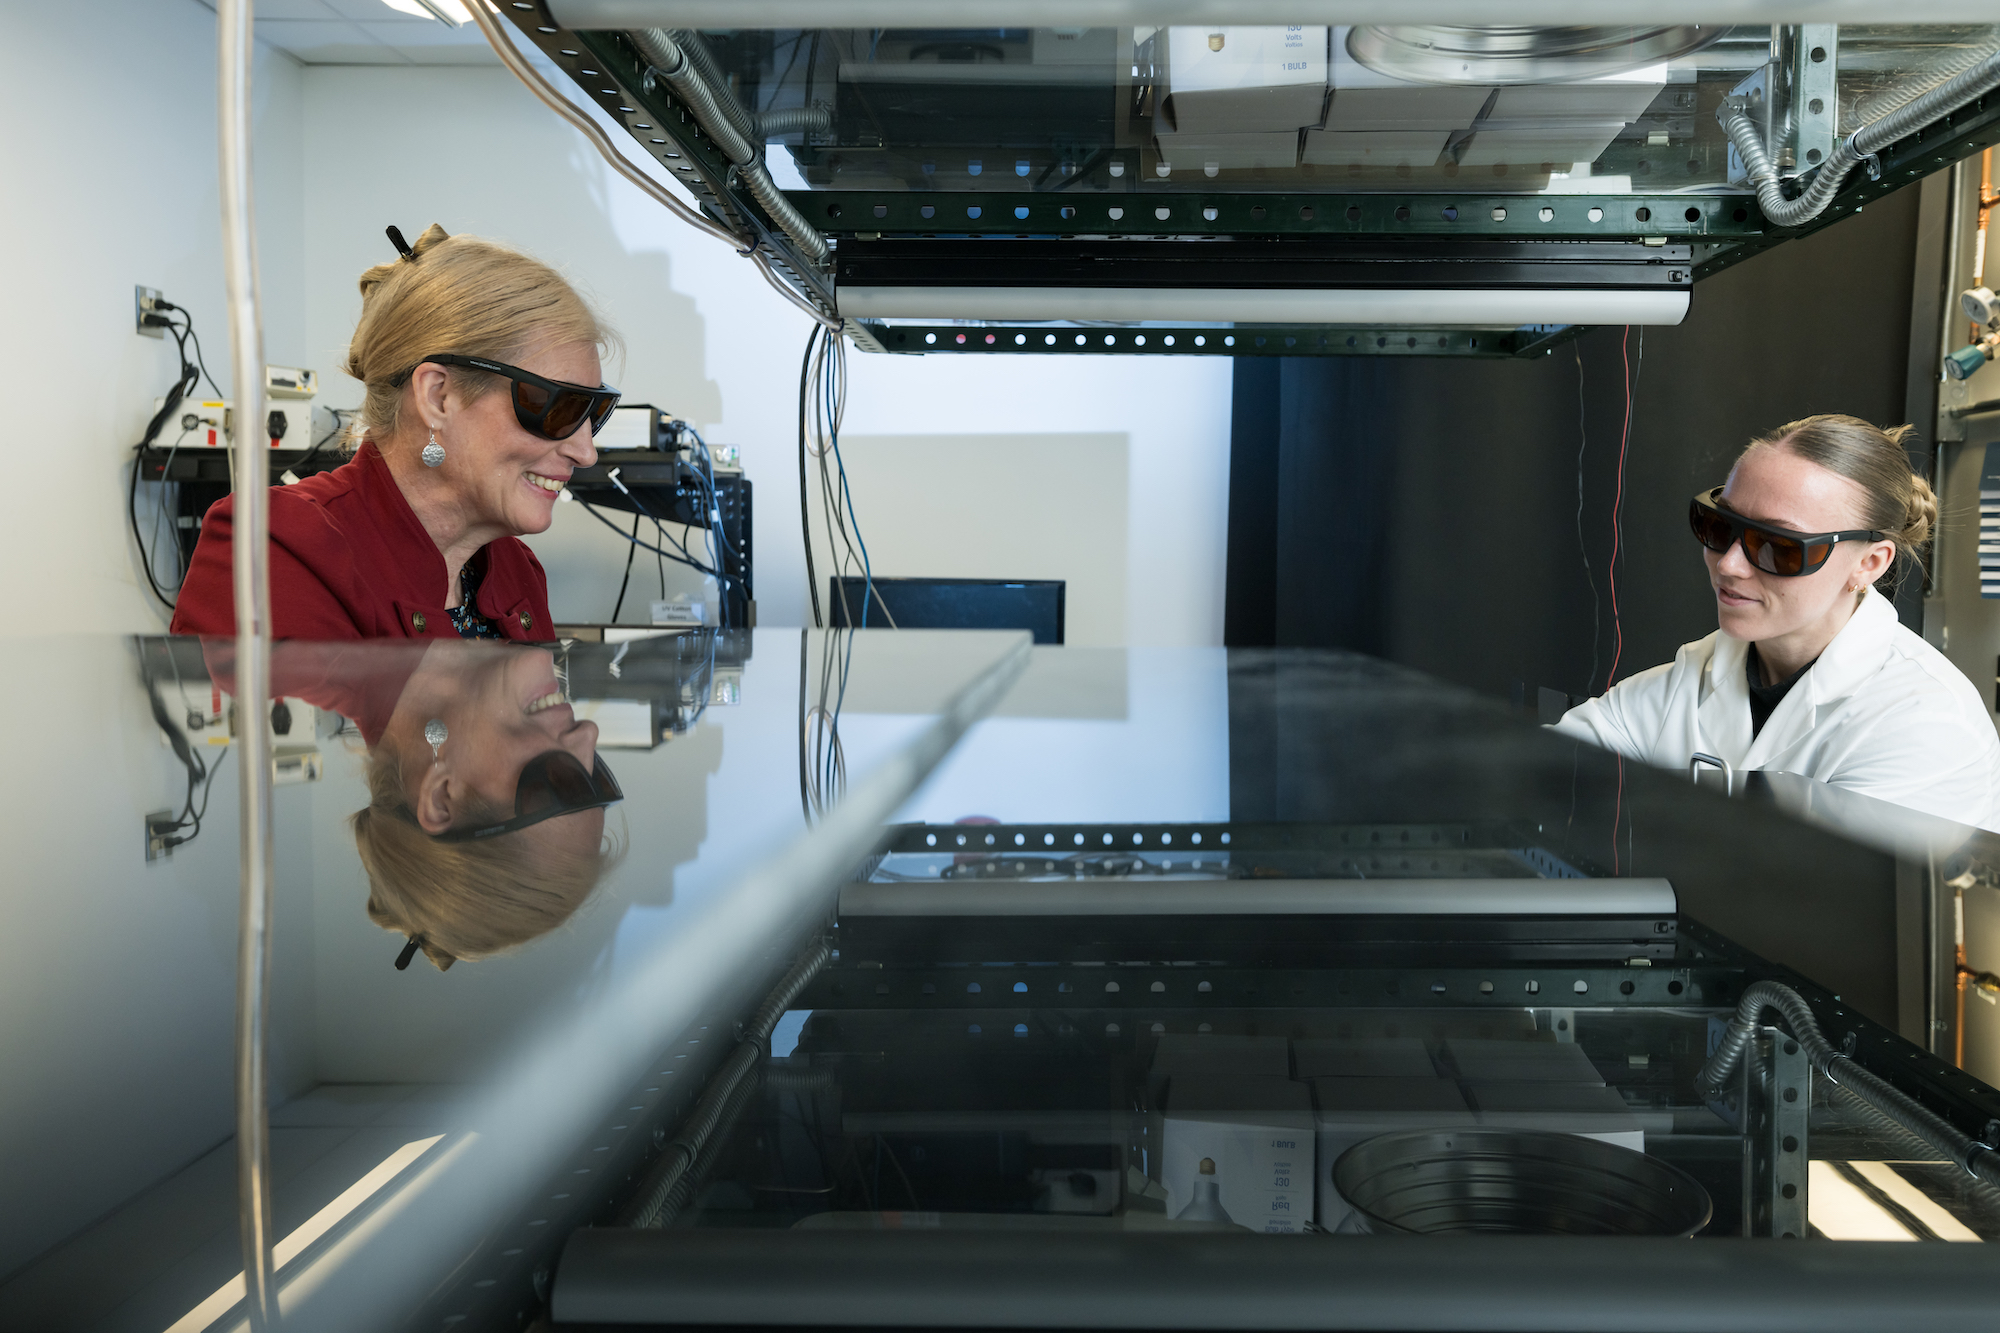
[1882,713]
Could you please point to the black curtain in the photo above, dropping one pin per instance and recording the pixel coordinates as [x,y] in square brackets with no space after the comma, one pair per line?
[1457,516]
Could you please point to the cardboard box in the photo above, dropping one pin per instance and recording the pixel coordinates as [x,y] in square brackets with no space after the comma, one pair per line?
[1373,148]
[1257,1131]
[1591,1110]
[1210,1053]
[1380,1057]
[1230,152]
[1244,80]
[1517,1061]
[1557,145]
[1621,97]
[1365,100]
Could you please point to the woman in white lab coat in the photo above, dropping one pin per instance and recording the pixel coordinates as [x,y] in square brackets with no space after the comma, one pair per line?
[1811,672]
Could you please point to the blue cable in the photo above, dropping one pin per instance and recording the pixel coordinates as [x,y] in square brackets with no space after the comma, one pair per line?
[847,494]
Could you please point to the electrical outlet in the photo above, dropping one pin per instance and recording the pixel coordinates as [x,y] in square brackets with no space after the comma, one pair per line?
[159,826]
[143,304]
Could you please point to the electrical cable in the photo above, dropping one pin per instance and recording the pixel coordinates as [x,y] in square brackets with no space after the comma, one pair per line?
[1617,505]
[1582,443]
[631,552]
[339,424]
[644,546]
[199,774]
[805,514]
[170,403]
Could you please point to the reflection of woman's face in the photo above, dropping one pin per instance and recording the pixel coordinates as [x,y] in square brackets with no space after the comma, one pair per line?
[515,711]
[501,707]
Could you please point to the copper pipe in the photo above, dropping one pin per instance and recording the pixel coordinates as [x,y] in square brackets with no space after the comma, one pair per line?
[1987,198]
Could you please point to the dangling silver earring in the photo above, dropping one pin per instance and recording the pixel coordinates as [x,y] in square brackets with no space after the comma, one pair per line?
[433,452]
[436,733]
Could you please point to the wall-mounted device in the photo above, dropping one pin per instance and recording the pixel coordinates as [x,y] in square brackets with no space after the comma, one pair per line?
[211,423]
[1982,307]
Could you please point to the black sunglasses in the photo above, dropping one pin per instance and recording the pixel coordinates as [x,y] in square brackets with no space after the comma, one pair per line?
[553,783]
[1774,550]
[549,408]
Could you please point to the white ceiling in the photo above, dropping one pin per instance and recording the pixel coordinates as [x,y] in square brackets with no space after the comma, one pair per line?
[364,32]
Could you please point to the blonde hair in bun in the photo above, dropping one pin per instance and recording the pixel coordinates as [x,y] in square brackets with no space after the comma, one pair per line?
[1897,502]
[460,294]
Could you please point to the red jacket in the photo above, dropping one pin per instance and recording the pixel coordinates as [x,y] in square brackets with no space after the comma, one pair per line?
[349,560]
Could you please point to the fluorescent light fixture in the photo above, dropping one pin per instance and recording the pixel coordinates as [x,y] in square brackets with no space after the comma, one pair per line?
[1919,1204]
[452,13]
[1840,1211]
[1426,308]
[230,1294]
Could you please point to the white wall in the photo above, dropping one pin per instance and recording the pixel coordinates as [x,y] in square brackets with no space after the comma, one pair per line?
[110,161]
[709,341]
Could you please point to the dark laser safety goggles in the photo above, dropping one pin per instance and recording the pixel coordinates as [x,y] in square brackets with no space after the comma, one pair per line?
[549,408]
[1777,551]
[552,783]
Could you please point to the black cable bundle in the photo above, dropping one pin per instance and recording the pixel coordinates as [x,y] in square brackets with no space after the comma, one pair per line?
[191,375]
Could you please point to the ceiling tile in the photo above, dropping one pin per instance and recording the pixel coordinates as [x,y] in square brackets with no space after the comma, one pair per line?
[327,42]
[433,37]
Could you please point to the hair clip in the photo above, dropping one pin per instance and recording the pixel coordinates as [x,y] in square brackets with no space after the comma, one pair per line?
[402,248]
[416,942]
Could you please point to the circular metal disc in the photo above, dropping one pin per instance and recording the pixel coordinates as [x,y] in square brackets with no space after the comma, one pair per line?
[1503,53]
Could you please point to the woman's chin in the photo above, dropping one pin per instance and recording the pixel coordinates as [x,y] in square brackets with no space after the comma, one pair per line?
[1740,622]
[533,517]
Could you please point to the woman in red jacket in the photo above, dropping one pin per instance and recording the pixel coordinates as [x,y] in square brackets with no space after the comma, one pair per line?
[484,393]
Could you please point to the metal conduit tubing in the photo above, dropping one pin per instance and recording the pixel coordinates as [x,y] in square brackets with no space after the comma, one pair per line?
[1923,78]
[702,1167]
[711,73]
[755,126]
[1978,1159]
[814,119]
[671,63]
[649,1206]
[659,194]
[1859,146]
[252,589]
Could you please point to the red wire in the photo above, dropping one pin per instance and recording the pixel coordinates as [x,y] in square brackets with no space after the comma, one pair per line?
[1617,504]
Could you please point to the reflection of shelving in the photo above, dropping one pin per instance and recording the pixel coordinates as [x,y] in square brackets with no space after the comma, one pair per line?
[666,485]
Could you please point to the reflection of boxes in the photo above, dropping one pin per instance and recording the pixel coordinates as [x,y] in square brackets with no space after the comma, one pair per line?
[1518,1061]
[1380,1058]
[1354,1110]
[1214,1053]
[1257,1131]
[1365,100]
[1231,152]
[1558,145]
[1589,1109]
[1236,80]
[624,724]
[1373,148]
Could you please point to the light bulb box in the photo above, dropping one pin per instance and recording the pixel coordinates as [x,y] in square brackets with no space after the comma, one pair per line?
[1245,80]
[1258,1130]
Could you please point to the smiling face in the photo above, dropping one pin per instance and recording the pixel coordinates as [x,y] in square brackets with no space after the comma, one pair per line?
[501,708]
[1797,617]
[504,476]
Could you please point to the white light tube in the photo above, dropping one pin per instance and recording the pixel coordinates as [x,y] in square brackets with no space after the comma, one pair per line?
[1839,1211]
[1430,308]
[230,1294]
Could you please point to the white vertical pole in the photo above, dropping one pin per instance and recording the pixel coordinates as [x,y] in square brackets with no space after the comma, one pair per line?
[253,655]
